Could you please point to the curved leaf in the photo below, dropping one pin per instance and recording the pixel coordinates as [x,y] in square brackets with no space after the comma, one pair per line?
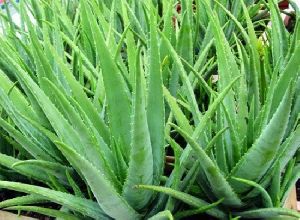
[45,211]
[140,170]
[84,206]
[155,104]
[107,196]
[186,198]
[268,213]
[218,183]
[261,155]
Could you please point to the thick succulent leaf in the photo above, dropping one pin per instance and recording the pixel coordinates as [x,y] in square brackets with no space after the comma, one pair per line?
[24,141]
[66,132]
[84,206]
[268,213]
[289,74]
[219,185]
[117,94]
[23,200]
[107,196]
[261,155]
[185,38]
[140,170]
[81,97]
[186,82]
[33,141]
[16,97]
[41,167]
[38,170]
[227,67]
[186,198]
[164,215]
[86,133]
[289,148]
[155,104]
[187,153]
[188,213]
[266,199]
[254,58]
[45,211]
[279,34]
[180,118]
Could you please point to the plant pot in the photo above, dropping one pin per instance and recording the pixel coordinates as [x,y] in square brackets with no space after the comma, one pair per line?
[291,201]
[284,5]
[9,216]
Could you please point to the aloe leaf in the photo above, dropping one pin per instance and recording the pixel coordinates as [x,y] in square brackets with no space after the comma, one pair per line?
[35,170]
[155,104]
[186,198]
[268,213]
[45,167]
[214,140]
[260,156]
[117,95]
[24,141]
[87,134]
[80,97]
[181,119]
[227,67]
[16,97]
[187,213]
[84,206]
[130,43]
[74,185]
[134,20]
[164,215]
[289,148]
[140,170]
[289,74]
[218,183]
[274,189]
[279,34]
[255,73]
[44,211]
[23,200]
[186,155]
[185,38]
[186,82]
[264,194]
[108,198]
[66,131]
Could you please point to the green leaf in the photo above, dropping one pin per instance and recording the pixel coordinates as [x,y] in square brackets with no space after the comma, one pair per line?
[155,104]
[186,82]
[45,211]
[220,187]
[23,200]
[180,118]
[266,199]
[268,213]
[289,74]
[186,198]
[164,215]
[262,153]
[117,94]
[84,206]
[108,198]
[279,34]
[140,170]
[187,213]
[289,148]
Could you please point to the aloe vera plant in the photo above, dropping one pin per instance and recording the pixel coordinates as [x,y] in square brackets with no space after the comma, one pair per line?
[94,93]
